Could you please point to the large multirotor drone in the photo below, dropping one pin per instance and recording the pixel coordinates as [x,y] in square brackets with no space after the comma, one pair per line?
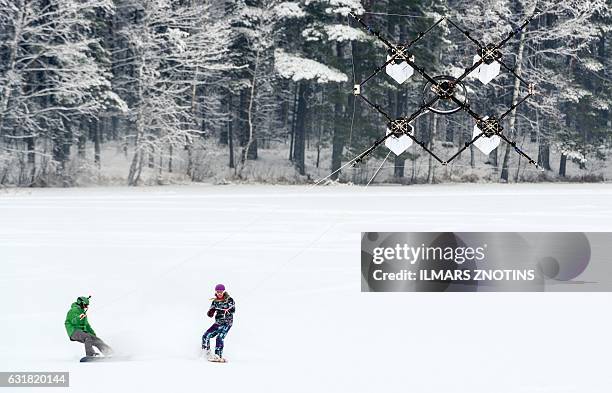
[443,94]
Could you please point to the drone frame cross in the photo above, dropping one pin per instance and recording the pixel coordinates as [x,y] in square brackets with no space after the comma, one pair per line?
[444,88]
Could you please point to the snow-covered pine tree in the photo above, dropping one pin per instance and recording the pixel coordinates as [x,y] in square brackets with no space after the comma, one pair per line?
[585,133]
[554,41]
[312,56]
[49,79]
[246,19]
[169,51]
[541,55]
[486,21]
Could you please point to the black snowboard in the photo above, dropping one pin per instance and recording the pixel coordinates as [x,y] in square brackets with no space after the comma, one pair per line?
[103,358]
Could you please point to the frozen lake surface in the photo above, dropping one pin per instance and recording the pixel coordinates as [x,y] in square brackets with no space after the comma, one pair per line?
[290,257]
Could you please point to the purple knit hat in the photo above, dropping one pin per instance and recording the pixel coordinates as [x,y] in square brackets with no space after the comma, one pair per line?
[220,287]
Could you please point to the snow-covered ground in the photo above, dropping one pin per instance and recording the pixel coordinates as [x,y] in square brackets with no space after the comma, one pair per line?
[290,256]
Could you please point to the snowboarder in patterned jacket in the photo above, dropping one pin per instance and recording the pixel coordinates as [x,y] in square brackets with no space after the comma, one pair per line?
[79,329]
[223,309]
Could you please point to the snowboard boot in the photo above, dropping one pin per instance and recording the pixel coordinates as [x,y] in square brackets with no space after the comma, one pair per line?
[213,357]
[217,357]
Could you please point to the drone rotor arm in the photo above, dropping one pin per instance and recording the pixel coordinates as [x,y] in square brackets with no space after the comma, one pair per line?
[369,151]
[466,108]
[379,69]
[377,107]
[518,150]
[421,71]
[394,48]
[422,109]
[468,71]
[517,30]
[467,144]
[373,32]
[424,147]
[511,70]
[416,114]
[513,107]
[467,34]
[422,34]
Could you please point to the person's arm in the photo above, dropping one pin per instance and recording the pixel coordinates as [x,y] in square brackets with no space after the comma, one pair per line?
[77,318]
[88,328]
[231,305]
[73,318]
[211,310]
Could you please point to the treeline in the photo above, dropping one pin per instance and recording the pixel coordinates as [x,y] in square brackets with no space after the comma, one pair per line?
[194,88]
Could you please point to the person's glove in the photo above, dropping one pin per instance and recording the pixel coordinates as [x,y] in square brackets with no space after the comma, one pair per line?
[211,312]
[82,316]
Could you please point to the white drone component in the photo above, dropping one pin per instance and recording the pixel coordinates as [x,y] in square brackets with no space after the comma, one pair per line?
[399,72]
[398,145]
[485,144]
[486,72]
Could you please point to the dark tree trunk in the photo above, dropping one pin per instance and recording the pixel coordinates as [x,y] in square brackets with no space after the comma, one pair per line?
[250,150]
[242,121]
[472,161]
[339,138]
[82,140]
[61,145]
[299,153]
[544,155]
[293,121]
[399,166]
[244,126]
[230,139]
[319,121]
[493,157]
[223,134]
[519,61]
[151,163]
[562,165]
[97,141]
[31,146]
[461,139]
[252,153]
[230,134]
[431,170]
[337,143]
[492,160]
[399,162]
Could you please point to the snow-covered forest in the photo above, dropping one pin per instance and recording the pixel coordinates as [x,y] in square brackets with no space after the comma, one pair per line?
[173,91]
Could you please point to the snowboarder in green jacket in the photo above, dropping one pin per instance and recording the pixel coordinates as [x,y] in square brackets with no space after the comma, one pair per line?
[79,329]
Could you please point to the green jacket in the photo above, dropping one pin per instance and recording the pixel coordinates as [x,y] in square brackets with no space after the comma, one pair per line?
[74,322]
